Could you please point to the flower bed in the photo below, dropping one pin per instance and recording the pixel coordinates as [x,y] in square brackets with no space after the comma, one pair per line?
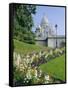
[26,71]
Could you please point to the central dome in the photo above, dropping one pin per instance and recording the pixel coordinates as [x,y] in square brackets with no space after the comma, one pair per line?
[44,22]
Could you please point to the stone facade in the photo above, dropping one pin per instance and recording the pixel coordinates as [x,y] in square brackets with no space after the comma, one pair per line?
[52,41]
[45,35]
[42,42]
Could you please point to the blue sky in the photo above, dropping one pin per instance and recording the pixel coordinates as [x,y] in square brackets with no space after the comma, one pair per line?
[55,15]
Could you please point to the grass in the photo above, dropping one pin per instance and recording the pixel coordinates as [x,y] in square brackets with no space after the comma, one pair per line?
[55,67]
[24,48]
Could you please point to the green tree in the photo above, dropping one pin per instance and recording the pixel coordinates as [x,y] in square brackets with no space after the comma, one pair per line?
[23,23]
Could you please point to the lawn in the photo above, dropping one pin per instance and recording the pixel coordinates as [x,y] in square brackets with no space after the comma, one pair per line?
[24,48]
[55,67]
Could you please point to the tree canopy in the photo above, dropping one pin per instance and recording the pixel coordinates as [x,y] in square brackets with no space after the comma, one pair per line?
[23,22]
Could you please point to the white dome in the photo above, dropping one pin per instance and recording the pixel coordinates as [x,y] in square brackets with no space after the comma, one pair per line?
[44,21]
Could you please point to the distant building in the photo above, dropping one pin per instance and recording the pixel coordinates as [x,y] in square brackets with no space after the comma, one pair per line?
[45,35]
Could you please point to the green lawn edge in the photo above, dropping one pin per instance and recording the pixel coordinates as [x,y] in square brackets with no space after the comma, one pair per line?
[55,67]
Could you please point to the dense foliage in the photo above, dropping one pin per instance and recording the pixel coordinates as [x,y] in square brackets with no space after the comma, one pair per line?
[23,23]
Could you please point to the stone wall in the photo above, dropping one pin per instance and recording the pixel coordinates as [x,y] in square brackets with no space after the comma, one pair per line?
[41,42]
[52,42]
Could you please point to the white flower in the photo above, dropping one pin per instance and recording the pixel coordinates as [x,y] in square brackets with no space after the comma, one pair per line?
[46,55]
[24,81]
[61,51]
[14,55]
[18,59]
[40,54]
[27,60]
[51,52]
[47,77]
[22,67]
[24,59]
[27,56]
[46,82]
[27,81]
[28,75]
[32,58]
[35,73]
[40,73]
